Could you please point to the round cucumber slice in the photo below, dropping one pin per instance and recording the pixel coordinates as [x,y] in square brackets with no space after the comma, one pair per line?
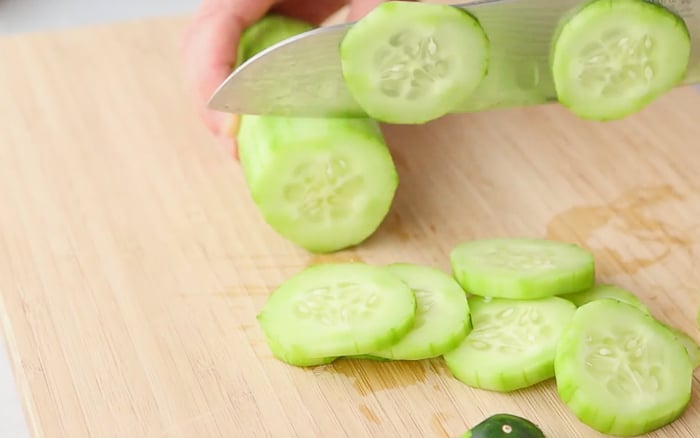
[691,347]
[333,310]
[607,291]
[610,59]
[620,371]
[504,426]
[512,343]
[522,268]
[324,184]
[410,62]
[442,314]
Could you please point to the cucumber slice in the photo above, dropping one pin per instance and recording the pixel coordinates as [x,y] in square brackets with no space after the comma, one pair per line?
[297,360]
[323,184]
[607,291]
[620,371]
[522,268]
[504,426]
[610,59]
[442,314]
[341,309]
[691,347]
[410,62]
[512,344]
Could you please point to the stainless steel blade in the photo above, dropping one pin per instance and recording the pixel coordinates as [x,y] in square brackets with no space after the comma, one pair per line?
[302,76]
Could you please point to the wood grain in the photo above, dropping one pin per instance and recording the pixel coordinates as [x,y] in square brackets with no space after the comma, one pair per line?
[133,262]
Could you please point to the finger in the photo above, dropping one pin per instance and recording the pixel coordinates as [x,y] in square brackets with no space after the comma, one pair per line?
[312,11]
[360,8]
[209,47]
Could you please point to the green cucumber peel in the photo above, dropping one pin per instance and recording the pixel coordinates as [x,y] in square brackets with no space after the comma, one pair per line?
[504,426]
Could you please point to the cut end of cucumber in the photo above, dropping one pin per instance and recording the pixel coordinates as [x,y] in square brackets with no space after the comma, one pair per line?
[332,310]
[325,187]
[522,268]
[620,371]
[612,58]
[410,62]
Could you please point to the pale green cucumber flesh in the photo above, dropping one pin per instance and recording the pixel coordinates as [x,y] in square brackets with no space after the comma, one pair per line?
[620,371]
[512,343]
[324,184]
[522,268]
[690,345]
[606,291]
[410,62]
[341,309]
[295,359]
[442,314]
[611,59]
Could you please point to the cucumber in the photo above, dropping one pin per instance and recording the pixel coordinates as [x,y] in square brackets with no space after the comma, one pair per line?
[504,426]
[337,309]
[442,314]
[610,59]
[691,347]
[607,291]
[409,62]
[323,184]
[522,268]
[266,32]
[620,371]
[512,344]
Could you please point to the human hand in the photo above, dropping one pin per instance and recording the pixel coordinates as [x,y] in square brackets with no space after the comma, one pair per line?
[211,40]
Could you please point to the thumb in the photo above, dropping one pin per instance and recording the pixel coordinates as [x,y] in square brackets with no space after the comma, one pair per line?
[209,47]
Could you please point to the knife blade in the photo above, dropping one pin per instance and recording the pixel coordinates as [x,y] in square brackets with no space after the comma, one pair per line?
[302,76]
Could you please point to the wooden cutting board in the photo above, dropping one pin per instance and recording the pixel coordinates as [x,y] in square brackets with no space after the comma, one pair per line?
[133,262]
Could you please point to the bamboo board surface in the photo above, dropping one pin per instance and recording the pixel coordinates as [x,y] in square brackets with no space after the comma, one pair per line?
[133,262]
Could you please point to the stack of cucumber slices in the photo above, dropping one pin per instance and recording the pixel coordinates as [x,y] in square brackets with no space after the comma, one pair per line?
[515,312]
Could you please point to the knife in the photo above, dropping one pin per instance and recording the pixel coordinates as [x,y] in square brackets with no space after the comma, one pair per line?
[302,77]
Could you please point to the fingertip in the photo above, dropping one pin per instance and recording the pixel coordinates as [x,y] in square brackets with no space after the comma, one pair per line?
[360,8]
[209,48]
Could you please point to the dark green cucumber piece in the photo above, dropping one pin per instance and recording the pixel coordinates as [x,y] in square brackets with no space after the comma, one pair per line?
[504,426]
[612,58]
[442,314]
[522,268]
[333,310]
[606,291]
[620,371]
[411,62]
[323,184]
[512,343]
